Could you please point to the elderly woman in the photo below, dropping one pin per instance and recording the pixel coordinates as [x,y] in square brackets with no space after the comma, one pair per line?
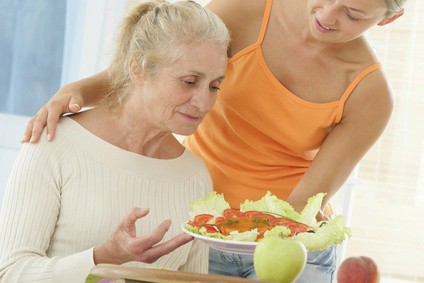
[74,202]
[305,98]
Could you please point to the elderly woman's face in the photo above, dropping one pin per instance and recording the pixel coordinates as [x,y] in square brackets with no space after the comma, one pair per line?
[180,96]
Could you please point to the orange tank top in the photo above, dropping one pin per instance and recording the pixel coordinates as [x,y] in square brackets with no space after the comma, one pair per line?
[259,136]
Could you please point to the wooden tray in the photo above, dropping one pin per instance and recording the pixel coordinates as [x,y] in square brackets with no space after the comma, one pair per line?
[134,274]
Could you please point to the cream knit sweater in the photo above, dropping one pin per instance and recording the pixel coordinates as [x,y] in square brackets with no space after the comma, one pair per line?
[66,196]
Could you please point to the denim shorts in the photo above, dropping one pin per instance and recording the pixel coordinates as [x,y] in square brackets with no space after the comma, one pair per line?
[320,266]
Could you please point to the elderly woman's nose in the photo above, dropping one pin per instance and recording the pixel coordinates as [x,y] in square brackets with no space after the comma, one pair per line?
[204,100]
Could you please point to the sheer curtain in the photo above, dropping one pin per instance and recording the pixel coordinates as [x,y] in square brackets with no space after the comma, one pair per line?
[387,206]
[31,51]
[43,45]
[90,31]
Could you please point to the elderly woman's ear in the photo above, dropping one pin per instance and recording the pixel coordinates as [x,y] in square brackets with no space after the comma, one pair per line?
[135,72]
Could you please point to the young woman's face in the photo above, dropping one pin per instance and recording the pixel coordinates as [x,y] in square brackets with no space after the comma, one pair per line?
[338,21]
[178,98]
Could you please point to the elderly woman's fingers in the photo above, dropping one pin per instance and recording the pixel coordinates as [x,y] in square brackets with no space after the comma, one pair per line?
[124,245]
[128,224]
[142,244]
[155,252]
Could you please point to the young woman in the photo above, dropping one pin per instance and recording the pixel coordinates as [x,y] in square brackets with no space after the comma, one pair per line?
[74,202]
[304,99]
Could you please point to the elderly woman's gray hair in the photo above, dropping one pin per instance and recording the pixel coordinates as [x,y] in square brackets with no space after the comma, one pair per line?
[151,36]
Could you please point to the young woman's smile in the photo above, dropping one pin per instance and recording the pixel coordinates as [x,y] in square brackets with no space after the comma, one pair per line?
[343,20]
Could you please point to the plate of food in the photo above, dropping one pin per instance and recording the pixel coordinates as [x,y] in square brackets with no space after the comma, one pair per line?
[231,246]
[214,222]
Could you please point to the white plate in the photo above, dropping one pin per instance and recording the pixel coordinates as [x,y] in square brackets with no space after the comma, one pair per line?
[237,247]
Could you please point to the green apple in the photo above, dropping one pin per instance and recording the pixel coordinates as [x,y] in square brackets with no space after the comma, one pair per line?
[279,260]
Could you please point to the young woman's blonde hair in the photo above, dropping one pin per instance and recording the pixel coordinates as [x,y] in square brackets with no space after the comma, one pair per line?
[151,36]
[393,6]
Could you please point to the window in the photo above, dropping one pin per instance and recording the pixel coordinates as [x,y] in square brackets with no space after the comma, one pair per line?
[46,44]
[388,203]
[43,45]
[31,52]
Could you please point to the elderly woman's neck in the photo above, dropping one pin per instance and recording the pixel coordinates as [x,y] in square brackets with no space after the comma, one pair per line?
[136,134]
[129,132]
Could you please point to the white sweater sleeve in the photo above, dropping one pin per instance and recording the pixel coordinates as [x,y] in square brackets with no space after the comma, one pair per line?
[28,216]
[57,205]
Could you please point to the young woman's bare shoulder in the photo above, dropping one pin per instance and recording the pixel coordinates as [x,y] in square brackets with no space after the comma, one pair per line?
[236,12]
[372,99]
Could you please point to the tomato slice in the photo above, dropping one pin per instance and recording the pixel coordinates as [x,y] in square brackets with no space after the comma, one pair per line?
[219,218]
[259,214]
[281,221]
[230,213]
[210,229]
[295,227]
[259,236]
[202,219]
[191,223]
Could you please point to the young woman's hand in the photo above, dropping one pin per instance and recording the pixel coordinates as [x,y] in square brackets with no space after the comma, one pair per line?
[61,102]
[87,92]
[124,246]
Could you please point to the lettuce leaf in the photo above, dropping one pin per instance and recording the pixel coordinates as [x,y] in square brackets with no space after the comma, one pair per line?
[212,203]
[248,236]
[329,233]
[278,231]
[271,204]
[311,209]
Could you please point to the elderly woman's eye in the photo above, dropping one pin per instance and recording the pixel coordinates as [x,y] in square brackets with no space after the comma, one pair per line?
[214,86]
[190,82]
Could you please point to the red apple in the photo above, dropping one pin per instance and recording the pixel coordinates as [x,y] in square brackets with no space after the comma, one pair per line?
[358,269]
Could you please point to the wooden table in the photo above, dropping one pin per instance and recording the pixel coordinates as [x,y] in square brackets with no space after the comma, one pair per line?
[134,274]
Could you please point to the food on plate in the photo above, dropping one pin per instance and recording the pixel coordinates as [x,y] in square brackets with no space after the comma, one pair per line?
[358,269]
[235,221]
[279,260]
[212,216]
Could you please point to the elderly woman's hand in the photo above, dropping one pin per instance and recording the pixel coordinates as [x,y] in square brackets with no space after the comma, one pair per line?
[124,246]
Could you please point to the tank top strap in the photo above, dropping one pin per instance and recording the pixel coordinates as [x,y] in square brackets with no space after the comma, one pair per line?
[352,86]
[265,21]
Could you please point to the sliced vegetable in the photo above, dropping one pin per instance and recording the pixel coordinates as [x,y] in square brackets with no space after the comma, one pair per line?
[203,218]
[230,212]
[267,217]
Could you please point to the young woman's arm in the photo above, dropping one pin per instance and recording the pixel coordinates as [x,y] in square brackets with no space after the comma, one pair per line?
[242,18]
[89,91]
[365,117]
[70,98]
